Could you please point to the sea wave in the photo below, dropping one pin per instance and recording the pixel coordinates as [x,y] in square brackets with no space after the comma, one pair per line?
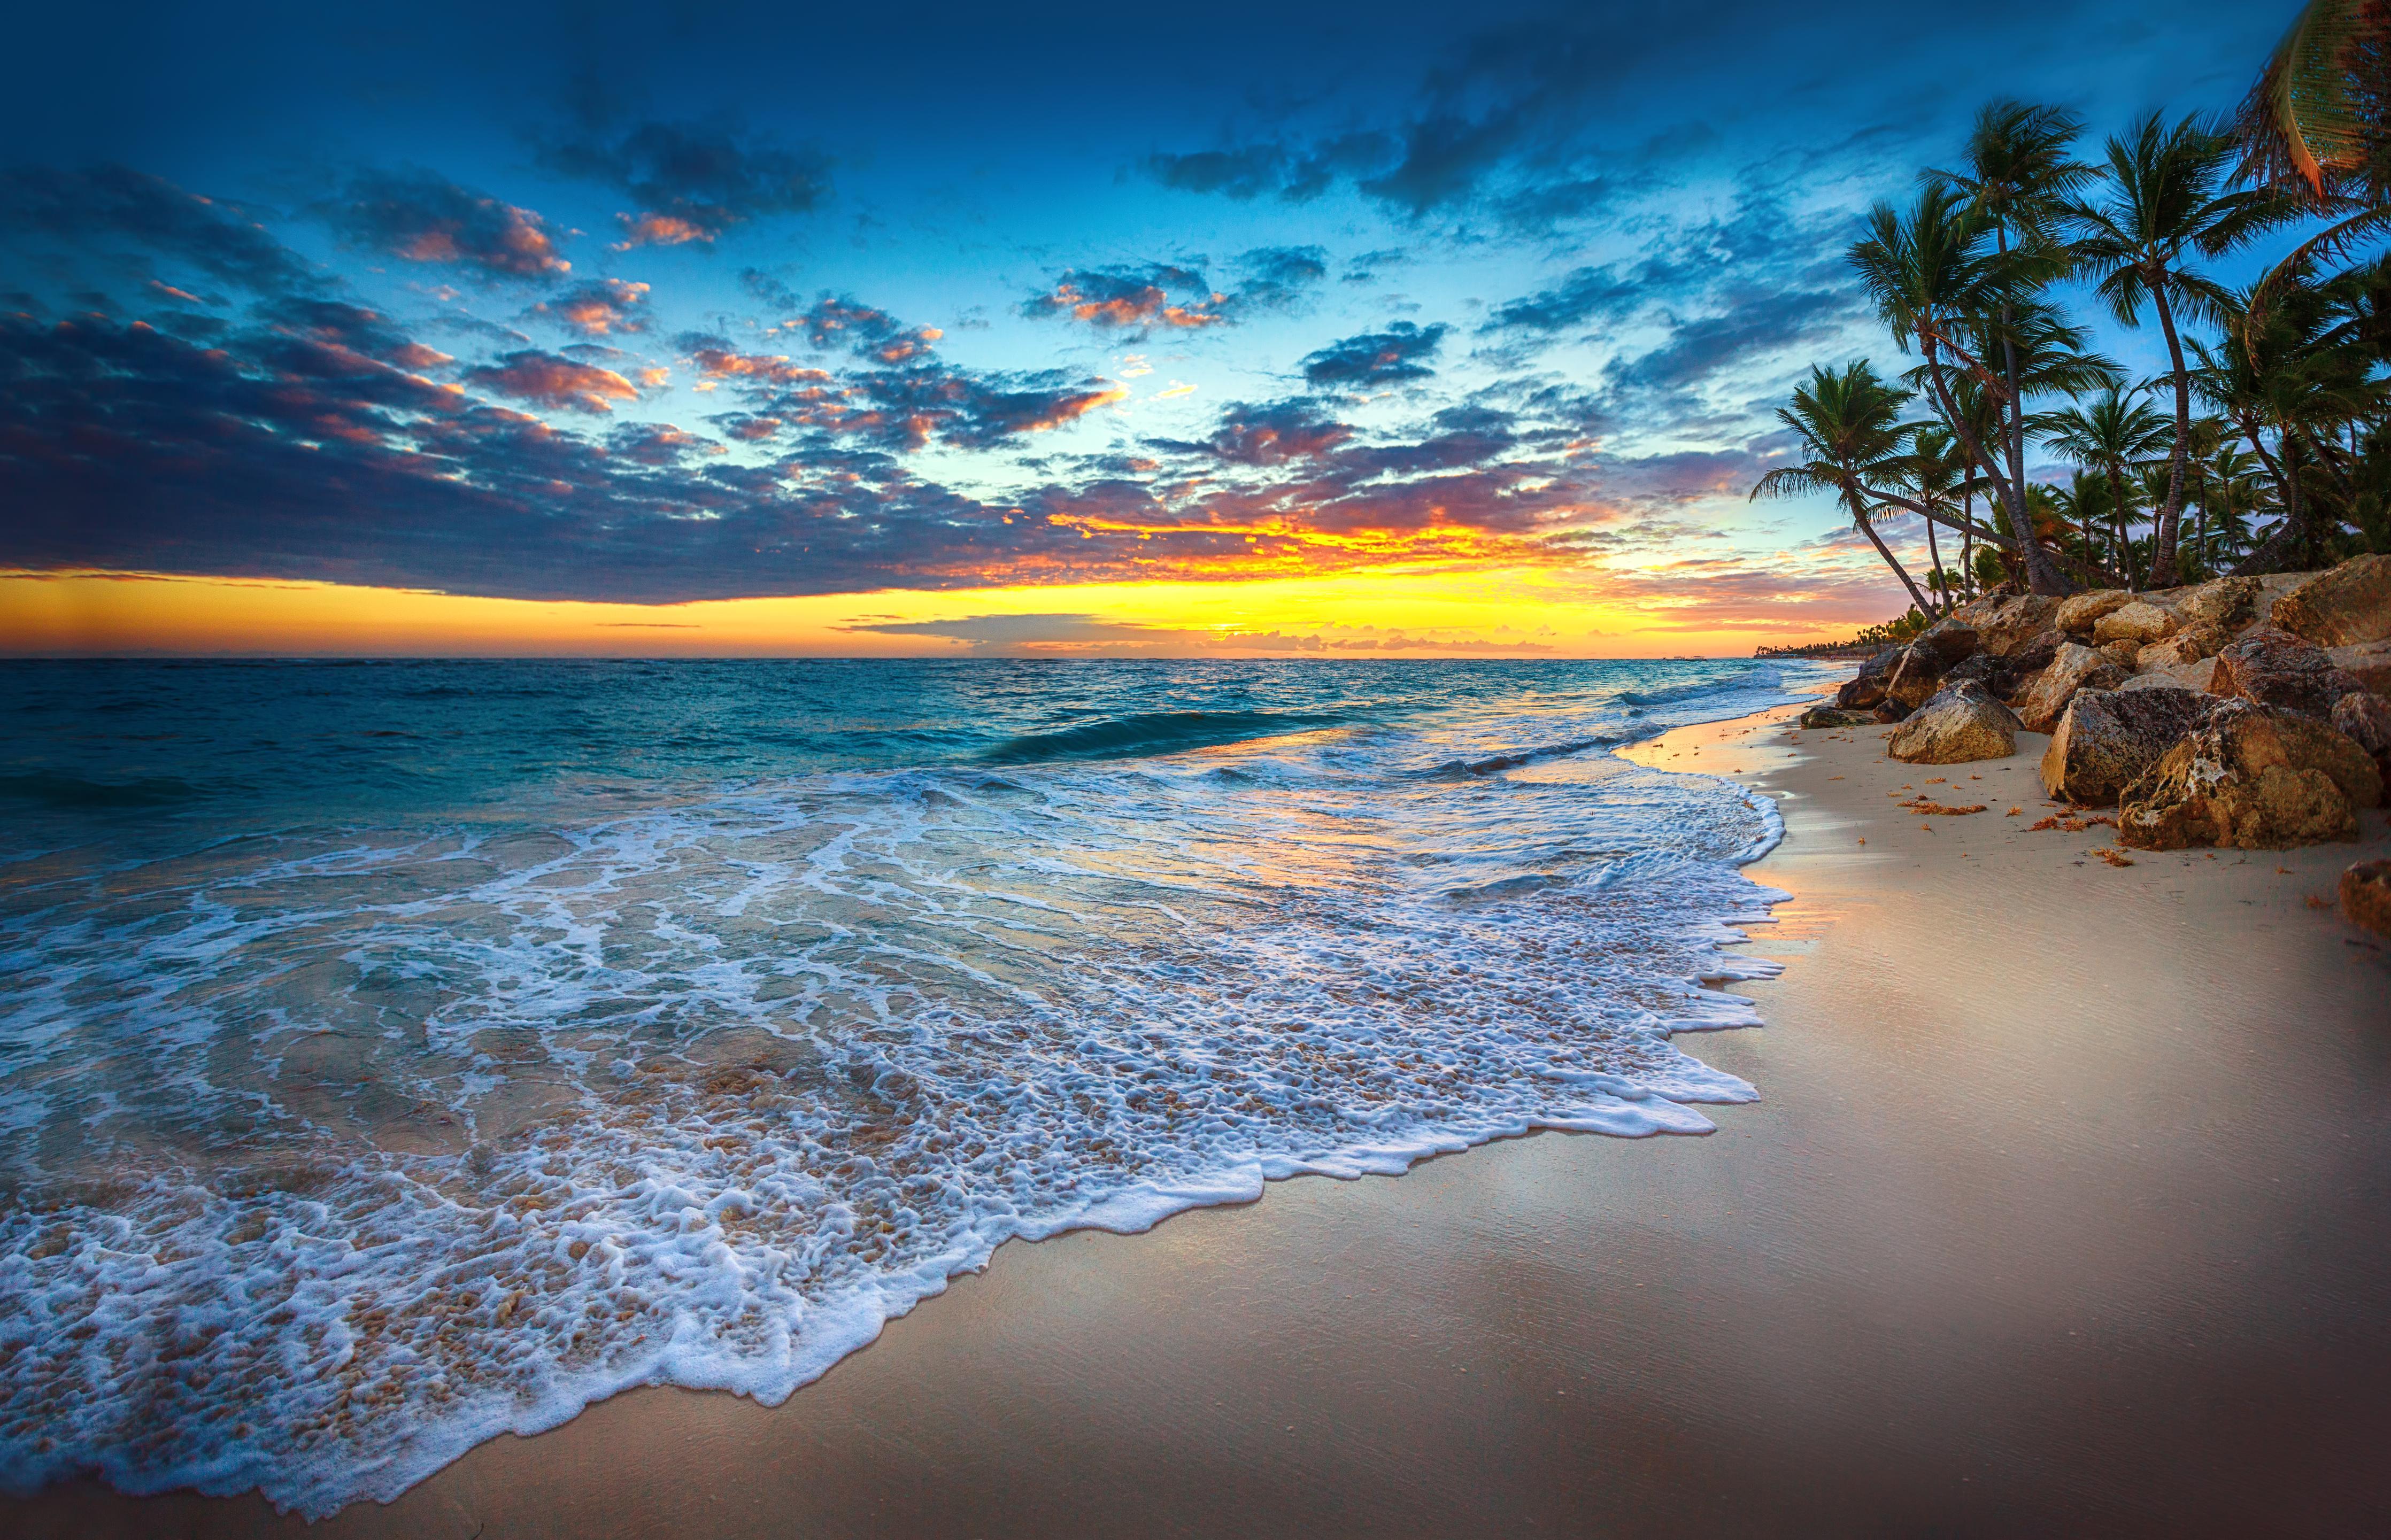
[1152,733]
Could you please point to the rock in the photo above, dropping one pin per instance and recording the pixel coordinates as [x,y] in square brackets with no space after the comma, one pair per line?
[2225,603]
[2349,604]
[2252,776]
[1888,710]
[2078,615]
[1916,675]
[2368,662]
[2140,622]
[2366,896]
[1984,669]
[1866,687]
[2275,668]
[1961,723]
[1831,716]
[2175,676]
[2002,625]
[2076,668]
[2166,654]
[2037,652]
[2365,719]
[1950,638]
[2121,653]
[2109,738]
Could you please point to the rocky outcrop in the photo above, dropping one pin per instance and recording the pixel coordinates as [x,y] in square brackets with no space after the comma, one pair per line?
[2109,738]
[1951,638]
[2078,615]
[2036,652]
[2366,896]
[2252,776]
[2121,653]
[2003,625]
[2368,662]
[2365,720]
[2074,668]
[2140,622]
[2274,668]
[1831,716]
[1917,675]
[2349,604]
[2228,603]
[1863,689]
[1888,710]
[1958,724]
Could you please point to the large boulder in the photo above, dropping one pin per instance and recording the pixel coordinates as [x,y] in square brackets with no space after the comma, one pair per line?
[2037,652]
[2252,776]
[2002,625]
[1889,711]
[2074,668]
[2109,738]
[1917,675]
[2349,604]
[2078,615]
[2366,896]
[2365,719]
[2226,603]
[1961,723]
[2368,662]
[1951,638]
[2174,676]
[2273,667]
[1863,689]
[2140,622]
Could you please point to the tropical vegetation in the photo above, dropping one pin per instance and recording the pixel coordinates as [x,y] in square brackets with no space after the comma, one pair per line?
[2263,443]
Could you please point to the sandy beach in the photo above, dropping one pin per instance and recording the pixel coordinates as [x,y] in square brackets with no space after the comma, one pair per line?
[2062,1211]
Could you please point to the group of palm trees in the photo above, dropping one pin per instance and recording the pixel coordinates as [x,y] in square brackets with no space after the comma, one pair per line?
[2266,440]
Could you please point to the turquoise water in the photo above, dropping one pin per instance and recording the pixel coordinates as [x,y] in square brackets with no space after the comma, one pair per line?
[394,1054]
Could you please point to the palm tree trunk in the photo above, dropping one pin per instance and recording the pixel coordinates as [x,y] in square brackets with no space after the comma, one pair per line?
[2041,576]
[1942,588]
[1859,516]
[1967,546]
[2125,553]
[2286,533]
[2163,528]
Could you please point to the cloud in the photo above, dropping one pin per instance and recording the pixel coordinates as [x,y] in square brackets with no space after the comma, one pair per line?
[841,320]
[108,206]
[692,182]
[598,307]
[1276,433]
[335,324]
[1139,296]
[1586,295]
[1375,358]
[423,217]
[1273,168]
[545,379]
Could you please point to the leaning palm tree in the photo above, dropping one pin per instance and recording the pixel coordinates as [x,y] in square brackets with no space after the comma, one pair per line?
[2114,436]
[2019,172]
[1937,475]
[1847,426]
[2164,203]
[2315,130]
[1936,276]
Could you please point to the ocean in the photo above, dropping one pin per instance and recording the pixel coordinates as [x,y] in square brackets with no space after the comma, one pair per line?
[396,1053]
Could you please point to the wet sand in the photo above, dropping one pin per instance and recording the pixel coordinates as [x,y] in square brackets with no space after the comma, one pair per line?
[2066,1211]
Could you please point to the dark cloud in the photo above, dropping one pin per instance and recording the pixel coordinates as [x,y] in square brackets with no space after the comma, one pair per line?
[1139,298]
[332,324]
[1276,277]
[596,307]
[1586,294]
[137,219]
[1274,168]
[1276,433]
[423,217]
[546,379]
[692,182]
[840,320]
[1375,358]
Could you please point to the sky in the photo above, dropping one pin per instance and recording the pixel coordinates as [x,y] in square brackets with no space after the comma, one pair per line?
[766,330]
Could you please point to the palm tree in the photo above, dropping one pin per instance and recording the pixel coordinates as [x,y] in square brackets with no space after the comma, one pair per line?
[2020,171]
[1940,284]
[2165,200]
[2233,472]
[1848,426]
[2114,436]
[1937,475]
[2315,130]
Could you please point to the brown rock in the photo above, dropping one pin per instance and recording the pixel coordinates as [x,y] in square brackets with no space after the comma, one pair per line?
[2035,651]
[2121,653]
[1951,638]
[1916,675]
[2140,622]
[2366,896]
[2225,603]
[1959,725]
[1888,710]
[1830,716]
[2275,668]
[2078,615]
[2109,738]
[2002,625]
[2076,668]
[2365,720]
[1866,687]
[2368,662]
[2349,604]
[2166,654]
[2174,676]
[2255,777]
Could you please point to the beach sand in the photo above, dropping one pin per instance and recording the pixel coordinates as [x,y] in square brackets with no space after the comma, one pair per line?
[2066,1209]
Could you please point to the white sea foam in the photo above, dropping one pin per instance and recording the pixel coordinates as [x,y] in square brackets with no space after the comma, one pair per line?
[342,1153]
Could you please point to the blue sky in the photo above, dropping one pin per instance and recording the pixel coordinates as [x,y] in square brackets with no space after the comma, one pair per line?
[675,302]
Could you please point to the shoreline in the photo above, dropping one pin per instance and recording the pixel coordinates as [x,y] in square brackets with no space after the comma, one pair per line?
[927,1425]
